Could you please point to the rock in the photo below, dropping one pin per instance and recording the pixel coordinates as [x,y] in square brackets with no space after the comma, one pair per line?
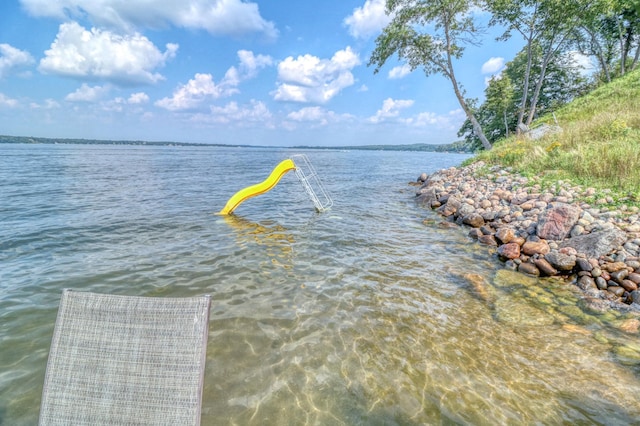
[509,251]
[597,243]
[475,233]
[535,247]
[426,197]
[631,325]
[422,178]
[601,283]
[556,222]
[505,235]
[481,287]
[488,240]
[615,266]
[616,289]
[583,265]
[545,267]
[634,277]
[529,268]
[635,296]
[560,261]
[586,283]
[629,285]
[620,275]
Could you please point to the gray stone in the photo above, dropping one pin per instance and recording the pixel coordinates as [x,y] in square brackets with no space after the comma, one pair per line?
[474,220]
[586,283]
[426,197]
[528,268]
[597,243]
[561,261]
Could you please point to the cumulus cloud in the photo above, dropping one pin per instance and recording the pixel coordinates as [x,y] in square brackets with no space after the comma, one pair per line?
[399,72]
[449,121]
[493,65]
[317,115]
[12,58]
[85,93]
[97,54]
[241,115]
[311,79]
[6,101]
[138,98]
[368,20]
[202,87]
[190,95]
[218,17]
[390,109]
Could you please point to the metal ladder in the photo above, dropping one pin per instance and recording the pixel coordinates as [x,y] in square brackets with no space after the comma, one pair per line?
[307,175]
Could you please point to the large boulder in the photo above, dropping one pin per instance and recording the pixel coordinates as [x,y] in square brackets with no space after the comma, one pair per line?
[597,243]
[556,222]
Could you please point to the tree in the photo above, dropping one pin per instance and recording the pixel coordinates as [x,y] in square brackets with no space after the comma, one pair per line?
[609,30]
[453,28]
[547,23]
[499,112]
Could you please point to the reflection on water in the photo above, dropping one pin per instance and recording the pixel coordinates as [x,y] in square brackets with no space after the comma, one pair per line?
[274,239]
[363,315]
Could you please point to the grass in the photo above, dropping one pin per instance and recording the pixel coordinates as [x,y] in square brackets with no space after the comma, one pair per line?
[598,147]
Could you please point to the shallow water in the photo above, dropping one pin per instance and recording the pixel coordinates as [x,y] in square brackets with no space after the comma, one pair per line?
[360,315]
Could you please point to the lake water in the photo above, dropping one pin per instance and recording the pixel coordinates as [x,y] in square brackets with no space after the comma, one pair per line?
[368,314]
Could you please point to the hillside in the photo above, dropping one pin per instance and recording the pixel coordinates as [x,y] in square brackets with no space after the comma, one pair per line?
[599,145]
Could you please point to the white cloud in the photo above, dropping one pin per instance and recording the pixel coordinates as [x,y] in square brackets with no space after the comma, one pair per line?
[218,17]
[399,72]
[48,104]
[311,79]
[317,115]
[202,86]
[390,109]
[450,121]
[192,94]
[363,88]
[97,54]
[87,94]
[138,98]
[368,20]
[493,65]
[12,58]
[6,101]
[249,66]
[584,63]
[243,116]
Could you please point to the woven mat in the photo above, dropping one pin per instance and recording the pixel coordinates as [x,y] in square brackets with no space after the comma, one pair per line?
[126,360]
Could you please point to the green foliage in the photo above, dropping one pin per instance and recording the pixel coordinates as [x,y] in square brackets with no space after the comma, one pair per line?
[599,145]
[430,35]
[498,114]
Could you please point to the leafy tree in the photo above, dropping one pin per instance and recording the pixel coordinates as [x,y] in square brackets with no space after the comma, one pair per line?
[547,23]
[498,114]
[406,35]
[609,30]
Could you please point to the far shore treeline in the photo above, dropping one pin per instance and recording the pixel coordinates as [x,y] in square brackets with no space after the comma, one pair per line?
[455,147]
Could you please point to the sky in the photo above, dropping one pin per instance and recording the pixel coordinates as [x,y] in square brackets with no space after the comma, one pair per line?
[264,73]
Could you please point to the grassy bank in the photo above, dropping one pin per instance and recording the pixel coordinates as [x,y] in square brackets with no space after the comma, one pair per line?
[599,145]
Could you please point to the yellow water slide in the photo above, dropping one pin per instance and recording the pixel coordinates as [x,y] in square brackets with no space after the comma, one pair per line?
[260,188]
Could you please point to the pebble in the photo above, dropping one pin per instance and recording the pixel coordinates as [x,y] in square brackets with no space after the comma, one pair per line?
[517,216]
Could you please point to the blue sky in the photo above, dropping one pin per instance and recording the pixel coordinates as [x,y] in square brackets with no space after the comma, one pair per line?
[223,71]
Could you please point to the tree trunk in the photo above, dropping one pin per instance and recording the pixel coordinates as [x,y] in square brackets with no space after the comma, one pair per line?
[525,90]
[506,123]
[477,128]
[635,58]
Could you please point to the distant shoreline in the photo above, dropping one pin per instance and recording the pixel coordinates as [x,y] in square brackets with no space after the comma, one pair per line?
[454,148]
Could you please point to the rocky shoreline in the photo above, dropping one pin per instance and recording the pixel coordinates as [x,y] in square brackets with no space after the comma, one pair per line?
[545,232]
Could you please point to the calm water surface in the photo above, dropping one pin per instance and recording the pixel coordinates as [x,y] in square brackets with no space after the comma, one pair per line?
[363,315]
